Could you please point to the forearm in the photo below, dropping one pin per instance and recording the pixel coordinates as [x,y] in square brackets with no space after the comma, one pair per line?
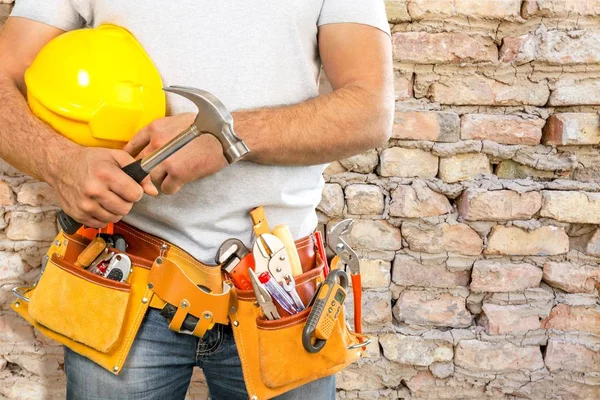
[28,144]
[343,123]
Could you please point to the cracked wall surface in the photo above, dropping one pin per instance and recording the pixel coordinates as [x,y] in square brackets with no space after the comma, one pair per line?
[477,225]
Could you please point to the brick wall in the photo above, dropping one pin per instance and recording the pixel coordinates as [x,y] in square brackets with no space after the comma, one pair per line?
[477,224]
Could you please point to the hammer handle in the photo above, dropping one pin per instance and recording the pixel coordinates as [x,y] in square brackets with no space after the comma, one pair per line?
[70,226]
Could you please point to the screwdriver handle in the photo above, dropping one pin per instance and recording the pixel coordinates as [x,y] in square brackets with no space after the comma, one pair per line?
[70,226]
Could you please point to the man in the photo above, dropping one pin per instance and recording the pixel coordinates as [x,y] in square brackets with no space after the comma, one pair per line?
[262,59]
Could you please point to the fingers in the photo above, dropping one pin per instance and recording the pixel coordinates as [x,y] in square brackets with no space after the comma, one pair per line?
[115,205]
[149,187]
[158,175]
[122,184]
[171,185]
[92,214]
[138,142]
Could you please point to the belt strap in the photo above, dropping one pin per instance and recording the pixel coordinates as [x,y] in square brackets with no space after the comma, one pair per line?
[173,285]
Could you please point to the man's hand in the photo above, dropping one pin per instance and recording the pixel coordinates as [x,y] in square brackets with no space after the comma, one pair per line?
[95,191]
[198,159]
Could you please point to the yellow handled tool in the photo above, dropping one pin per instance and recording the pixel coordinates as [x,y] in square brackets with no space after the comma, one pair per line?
[282,232]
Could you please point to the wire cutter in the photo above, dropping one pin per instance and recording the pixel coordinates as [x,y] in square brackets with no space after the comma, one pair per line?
[263,297]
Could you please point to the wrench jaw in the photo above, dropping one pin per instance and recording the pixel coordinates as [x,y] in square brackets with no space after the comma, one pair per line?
[336,240]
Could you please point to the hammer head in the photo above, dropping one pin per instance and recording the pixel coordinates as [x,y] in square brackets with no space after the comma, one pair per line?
[213,118]
[336,241]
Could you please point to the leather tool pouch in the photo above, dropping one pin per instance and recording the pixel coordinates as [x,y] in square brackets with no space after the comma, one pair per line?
[273,358]
[178,281]
[93,316]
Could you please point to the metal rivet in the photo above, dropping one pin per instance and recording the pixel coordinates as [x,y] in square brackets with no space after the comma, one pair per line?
[208,315]
[254,398]
[184,304]
[235,323]
[163,247]
[282,257]
[144,300]
[150,285]
[360,354]
[233,309]
[57,243]
[17,304]
[115,368]
[159,261]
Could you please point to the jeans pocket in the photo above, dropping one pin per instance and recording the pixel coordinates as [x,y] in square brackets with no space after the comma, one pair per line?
[211,341]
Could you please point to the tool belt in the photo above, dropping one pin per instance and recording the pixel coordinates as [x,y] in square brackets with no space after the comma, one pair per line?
[99,317]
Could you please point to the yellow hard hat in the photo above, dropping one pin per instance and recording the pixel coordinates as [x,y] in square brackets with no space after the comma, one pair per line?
[97,87]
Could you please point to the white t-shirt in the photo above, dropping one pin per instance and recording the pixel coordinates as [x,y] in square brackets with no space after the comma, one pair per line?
[250,54]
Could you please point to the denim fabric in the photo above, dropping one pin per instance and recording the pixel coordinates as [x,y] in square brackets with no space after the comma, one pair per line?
[160,364]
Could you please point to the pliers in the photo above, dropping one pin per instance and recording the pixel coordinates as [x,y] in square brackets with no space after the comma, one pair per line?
[270,255]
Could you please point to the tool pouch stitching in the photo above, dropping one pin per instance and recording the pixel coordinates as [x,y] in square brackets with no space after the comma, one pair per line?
[112,354]
[253,333]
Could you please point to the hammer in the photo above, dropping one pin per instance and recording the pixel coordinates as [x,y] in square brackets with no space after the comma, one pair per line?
[213,118]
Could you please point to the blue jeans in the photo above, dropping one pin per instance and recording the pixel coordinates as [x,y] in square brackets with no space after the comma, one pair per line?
[160,366]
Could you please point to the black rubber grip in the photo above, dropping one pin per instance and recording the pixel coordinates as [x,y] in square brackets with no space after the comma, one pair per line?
[135,171]
[70,226]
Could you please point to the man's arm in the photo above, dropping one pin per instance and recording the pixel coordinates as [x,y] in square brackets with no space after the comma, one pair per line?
[89,183]
[355,117]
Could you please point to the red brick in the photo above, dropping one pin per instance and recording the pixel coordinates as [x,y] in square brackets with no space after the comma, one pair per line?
[498,205]
[560,8]
[416,307]
[408,271]
[458,238]
[403,86]
[434,48]
[480,90]
[572,129]
[498,276]
[428,125]
[408,163]
[564,356]
[572,318]
[478,356]
[501,320]
[505,129]
[418,201]
[572,278]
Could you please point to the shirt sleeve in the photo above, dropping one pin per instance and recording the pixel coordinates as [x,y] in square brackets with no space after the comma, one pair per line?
[367,12]
[58,13]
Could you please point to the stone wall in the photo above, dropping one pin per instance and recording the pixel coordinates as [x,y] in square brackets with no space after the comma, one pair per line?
[477,225]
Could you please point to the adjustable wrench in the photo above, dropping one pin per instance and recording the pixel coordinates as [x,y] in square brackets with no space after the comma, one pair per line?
[336,241]
[236,261]
[213,118]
